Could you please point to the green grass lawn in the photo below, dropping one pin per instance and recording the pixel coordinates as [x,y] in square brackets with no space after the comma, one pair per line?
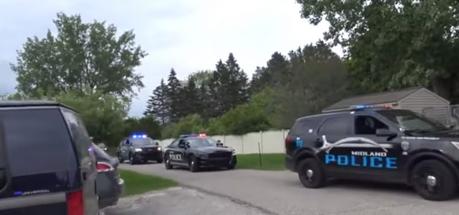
[268,161]
[136,183]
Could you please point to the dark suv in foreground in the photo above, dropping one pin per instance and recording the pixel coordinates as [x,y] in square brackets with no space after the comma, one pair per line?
[375,144]
[46,166]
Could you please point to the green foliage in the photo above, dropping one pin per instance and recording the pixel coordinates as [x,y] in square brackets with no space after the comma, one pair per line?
[145,124]
[229,86]
[187,125]
[158,104]
[83,58]
[395,44]
[102,114]
[251,117]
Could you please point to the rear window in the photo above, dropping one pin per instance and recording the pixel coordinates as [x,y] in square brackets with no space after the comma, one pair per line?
[37,141]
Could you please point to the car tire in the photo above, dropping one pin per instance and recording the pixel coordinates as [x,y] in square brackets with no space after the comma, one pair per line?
[159,160]
[231,165]
[132,160]
[193,164]
[120,158]
[311,173]
[167,163]
[433,180]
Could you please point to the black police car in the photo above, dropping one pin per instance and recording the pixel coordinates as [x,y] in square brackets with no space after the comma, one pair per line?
[46,161]
[377,144]
[139,148]
[198,151]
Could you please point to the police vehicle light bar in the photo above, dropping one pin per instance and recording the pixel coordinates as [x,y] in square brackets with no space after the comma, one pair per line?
[139,136]
[364,106]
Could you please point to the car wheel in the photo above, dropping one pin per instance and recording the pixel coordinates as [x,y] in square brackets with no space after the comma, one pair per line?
[194,165]
[120,158]
[433,180]
[167,163]
[132,160]
[231,165]
[311,173]
[160,160]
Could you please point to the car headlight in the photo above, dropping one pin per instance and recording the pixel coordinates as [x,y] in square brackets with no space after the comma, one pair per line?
[137,149]
[456,144]
[159,148]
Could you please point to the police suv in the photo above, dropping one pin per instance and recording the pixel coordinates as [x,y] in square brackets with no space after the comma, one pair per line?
[139,148]
[198,151]
[375,144]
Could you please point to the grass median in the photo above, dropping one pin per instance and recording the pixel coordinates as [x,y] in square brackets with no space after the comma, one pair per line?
[137,183]
[263,162]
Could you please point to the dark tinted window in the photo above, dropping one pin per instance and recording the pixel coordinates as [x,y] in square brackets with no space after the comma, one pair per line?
[37,141]
[410,121]
[79,132]
[368,125]
[336,126]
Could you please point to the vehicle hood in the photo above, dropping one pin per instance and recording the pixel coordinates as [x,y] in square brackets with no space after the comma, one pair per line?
[449,134]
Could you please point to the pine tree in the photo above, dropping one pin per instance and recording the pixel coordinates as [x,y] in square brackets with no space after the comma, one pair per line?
[174,91]
[158,104]
[229,85]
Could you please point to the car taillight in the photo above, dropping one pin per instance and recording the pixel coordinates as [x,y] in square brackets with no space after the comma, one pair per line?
[75,203]
[103,167]
[289,143]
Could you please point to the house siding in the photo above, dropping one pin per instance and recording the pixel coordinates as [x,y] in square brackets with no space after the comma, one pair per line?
[429,104]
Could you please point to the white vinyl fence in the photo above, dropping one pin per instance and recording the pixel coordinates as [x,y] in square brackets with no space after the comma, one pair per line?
[251,143]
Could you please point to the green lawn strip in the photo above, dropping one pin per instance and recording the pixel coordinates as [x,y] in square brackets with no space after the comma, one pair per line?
[137,183]
[268,161]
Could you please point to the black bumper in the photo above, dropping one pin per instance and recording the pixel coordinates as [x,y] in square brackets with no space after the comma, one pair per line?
[154,155]
[290,163]
[217,162]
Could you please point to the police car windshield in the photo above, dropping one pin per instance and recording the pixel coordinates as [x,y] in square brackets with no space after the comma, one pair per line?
[412,122]
[197,142]
[142,141]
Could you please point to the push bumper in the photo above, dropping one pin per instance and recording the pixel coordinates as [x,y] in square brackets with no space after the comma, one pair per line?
[155,155]
[218,162]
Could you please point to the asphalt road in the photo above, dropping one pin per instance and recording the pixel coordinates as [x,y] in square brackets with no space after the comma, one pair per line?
[179,200]
[280,192]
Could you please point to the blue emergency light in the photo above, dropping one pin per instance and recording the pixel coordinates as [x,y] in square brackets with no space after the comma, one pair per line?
[139,136]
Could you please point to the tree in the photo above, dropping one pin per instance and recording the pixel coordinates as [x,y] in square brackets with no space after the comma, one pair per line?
[275,74]
[158,104]
[395,44]
[146,124]
[317,78]
[192,101]
[82,58]
[102,114]
[174,90]
[229,86]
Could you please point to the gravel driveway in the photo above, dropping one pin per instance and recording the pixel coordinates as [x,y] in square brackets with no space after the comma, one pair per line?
[280,192]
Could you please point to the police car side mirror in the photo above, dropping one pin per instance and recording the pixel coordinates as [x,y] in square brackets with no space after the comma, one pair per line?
[385,133]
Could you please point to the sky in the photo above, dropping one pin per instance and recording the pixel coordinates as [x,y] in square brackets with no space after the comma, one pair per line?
[187,35]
